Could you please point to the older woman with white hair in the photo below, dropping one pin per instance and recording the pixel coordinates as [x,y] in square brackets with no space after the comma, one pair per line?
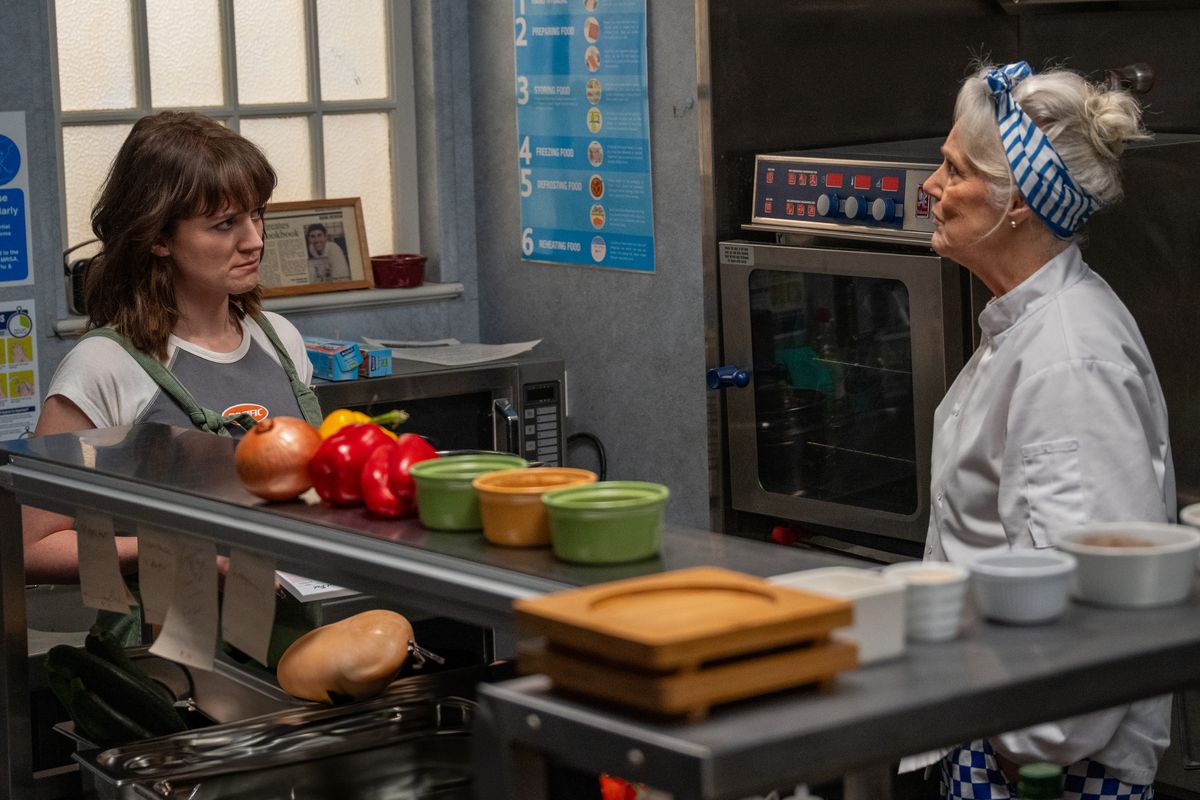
[1058,419]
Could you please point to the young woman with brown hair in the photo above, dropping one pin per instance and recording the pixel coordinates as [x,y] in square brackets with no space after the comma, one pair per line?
[176,334]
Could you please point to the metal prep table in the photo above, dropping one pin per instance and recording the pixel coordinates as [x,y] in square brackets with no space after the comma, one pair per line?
[184,480]
[994,678]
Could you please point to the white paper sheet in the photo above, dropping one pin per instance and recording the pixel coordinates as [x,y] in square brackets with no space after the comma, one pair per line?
[156,572]
[100,580]
[402,343]
[458,355]
[248,610]
[306,589]
[189,633]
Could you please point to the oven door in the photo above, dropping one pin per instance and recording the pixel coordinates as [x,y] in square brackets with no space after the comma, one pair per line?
[850,352]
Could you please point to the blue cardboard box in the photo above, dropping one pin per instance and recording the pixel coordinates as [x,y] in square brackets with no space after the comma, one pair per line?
[332,359]
[376,362]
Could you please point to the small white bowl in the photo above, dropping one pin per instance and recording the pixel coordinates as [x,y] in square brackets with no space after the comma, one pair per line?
[1190,515]
[1022,587]
[933,600]
[1160,572]
[878,627]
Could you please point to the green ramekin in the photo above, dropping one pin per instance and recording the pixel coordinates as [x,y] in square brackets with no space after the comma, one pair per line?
[609,522]
[446,501]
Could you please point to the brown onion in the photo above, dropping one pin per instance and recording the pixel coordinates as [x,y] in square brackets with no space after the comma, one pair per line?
[272,458]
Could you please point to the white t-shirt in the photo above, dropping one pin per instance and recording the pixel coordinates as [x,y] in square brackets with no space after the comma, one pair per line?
[113,389]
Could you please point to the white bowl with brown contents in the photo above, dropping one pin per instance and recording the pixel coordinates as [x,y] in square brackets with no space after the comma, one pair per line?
[1132,564]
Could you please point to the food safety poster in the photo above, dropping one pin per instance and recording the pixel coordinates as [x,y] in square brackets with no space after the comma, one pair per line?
[19,402]
[583,132]
[14,199]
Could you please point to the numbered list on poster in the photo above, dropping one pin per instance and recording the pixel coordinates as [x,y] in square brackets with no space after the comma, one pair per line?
[583,132]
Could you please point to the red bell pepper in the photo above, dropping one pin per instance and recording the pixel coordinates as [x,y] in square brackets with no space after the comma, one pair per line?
[336,468]
[388,488]
[616,789]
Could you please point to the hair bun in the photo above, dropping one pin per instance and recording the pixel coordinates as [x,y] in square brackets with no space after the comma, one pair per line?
[1114,119]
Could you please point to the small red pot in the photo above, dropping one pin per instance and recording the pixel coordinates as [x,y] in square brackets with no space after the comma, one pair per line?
[400,271]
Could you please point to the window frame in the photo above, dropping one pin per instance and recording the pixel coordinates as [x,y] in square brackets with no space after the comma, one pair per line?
[399,105]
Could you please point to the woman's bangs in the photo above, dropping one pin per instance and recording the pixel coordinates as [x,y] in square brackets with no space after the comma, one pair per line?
[241,181]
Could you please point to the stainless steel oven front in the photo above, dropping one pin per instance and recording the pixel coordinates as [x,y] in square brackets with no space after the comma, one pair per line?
[517,406]
[846,330]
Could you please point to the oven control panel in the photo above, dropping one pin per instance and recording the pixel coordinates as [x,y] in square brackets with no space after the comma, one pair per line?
[831,194]
[542,420]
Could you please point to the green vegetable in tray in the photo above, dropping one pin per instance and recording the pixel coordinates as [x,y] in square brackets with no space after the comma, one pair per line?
[108,703]
[99,721]
[104,643]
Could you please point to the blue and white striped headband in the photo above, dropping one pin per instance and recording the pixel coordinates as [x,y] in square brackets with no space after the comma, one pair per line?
[1039,172]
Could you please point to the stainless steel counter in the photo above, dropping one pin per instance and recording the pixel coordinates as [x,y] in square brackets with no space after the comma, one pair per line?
[184,480]
[994,678]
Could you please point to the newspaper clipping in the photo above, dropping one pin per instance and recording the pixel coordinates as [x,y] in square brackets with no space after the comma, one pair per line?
[310,247]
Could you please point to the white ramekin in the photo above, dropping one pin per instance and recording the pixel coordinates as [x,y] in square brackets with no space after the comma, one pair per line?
[1022,587]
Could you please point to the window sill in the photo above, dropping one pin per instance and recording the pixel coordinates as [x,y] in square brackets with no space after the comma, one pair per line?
[364,298]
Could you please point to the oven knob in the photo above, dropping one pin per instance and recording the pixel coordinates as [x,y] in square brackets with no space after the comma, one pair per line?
[884,209]
[827,204]
[856,207]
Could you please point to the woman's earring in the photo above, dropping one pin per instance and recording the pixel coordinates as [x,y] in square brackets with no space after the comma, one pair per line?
[1013,222]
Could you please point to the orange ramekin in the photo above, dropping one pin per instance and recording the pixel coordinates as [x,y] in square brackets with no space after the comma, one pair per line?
[510,502]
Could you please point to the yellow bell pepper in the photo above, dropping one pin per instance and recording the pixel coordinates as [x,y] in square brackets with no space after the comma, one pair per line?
[336,420]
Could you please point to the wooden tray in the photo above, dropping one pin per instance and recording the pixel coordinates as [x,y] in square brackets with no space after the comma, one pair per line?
[690,692]
[680,619]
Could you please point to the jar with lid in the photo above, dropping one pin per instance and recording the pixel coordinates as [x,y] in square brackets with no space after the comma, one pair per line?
[1040,782]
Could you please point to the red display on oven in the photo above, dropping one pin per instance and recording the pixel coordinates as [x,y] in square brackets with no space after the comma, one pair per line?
[890,184]
[862,181]
[833,180]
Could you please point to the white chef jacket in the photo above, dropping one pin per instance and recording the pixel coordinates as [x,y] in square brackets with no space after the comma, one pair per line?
[1057,420]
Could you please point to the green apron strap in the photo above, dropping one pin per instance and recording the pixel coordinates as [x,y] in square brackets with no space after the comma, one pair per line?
[203,418]
[310,407]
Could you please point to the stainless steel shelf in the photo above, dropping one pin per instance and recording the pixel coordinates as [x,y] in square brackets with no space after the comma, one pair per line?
[184,480]
[994,678]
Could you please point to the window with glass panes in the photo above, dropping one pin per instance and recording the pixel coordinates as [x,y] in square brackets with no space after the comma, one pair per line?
[313,82]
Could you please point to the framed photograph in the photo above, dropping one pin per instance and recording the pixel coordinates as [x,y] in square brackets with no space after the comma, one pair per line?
[314,246]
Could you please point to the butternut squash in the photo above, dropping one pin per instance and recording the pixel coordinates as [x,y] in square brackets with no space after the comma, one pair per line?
[354,658]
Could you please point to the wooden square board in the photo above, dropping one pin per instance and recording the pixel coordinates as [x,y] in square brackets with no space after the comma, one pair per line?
[688,691]
[681,619]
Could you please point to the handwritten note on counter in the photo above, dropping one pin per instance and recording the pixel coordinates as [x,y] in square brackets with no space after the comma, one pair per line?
[248,610]
[156,573]
[100,580]
[189,632]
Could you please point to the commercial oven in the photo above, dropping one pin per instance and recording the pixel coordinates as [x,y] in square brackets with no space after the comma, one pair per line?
[845,330]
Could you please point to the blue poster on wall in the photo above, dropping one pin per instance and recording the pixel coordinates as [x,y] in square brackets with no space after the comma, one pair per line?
[583,132]
[14,195]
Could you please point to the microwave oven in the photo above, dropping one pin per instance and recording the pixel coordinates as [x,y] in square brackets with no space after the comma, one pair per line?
[516,405]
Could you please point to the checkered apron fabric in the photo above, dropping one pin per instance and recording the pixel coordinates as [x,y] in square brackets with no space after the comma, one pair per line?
[971,773]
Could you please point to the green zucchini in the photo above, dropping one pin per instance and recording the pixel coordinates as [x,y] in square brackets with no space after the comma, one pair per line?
[103,643]
[118,689]
[60,684]
[99,721]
